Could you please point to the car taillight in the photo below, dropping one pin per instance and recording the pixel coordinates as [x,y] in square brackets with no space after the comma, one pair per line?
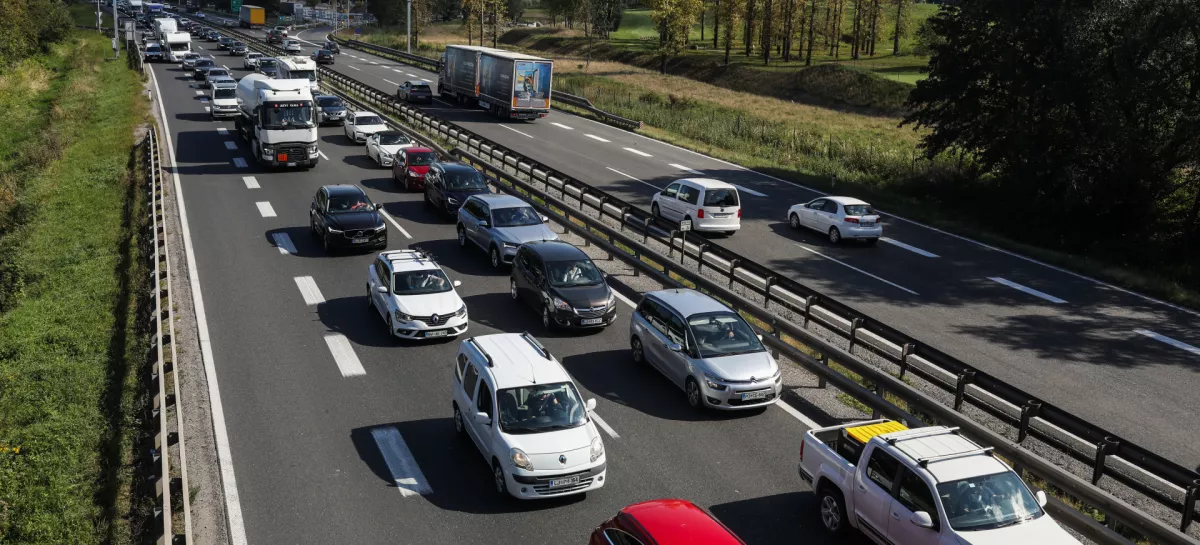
[700,213]
[851,220]
[739,212]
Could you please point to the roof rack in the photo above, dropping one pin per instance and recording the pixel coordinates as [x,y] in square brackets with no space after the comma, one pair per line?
[924,462]
[923,433]
[486,356]
[533,340]
[414,253]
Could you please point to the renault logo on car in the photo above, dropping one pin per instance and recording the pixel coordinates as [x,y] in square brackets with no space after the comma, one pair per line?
[562,459]
[433,319]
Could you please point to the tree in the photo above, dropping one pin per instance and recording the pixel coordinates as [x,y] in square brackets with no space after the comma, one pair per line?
[927,39]
[731,11]
[30,26]
[514,9]
[901,27]
[675,19]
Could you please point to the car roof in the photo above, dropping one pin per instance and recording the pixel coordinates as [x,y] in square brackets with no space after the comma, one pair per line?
[517,361]
[498,200]
[343,189]
[688,302]
[453,165]
[417,149]
[409,260]
[679,522]
[556,250]
[844,200]
[708,183]
[973,463]
[364,112]
[417,82]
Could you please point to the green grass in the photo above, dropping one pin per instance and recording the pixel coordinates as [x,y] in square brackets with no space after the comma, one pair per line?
[71,347]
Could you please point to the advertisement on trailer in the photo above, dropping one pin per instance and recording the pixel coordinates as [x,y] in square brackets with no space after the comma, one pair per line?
[532,86]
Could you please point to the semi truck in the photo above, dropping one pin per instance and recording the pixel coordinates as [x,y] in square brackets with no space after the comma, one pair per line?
[510,85]
[277,117]
[252,17]
[177,44]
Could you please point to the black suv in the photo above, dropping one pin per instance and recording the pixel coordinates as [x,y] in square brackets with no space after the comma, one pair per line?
[332,47]
[342,216]
[225,42]
[447,186]
[563,284]
[323,56]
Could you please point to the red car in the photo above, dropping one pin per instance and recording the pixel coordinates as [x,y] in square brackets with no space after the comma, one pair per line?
[409,171]
[663,522]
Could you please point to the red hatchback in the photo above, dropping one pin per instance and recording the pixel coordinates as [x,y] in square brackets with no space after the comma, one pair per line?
[409,169]
[663,522]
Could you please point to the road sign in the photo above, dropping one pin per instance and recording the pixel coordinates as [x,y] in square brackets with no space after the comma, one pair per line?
[357,31]
[685,225]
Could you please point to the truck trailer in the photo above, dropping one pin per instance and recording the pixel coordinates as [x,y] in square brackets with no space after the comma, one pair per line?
[510,85]
[252,17]
[277,117]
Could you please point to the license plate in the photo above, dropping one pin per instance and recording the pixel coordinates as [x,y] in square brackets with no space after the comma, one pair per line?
[439,333]
[753,395]
[291,164]
[281,157]
[868,224]
[591,321]
[559,483]
[362,240]
[721,215]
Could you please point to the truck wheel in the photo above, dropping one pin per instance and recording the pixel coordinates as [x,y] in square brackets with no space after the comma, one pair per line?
[833,510]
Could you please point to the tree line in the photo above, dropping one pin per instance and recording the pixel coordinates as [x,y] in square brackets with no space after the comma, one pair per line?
[28,27]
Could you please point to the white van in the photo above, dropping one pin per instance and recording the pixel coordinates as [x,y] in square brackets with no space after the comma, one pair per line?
[711,205]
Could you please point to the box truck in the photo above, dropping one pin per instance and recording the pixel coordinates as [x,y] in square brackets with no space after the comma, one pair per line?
[163,26]
[510,85]
[252,17]
[277,118]
[178,44]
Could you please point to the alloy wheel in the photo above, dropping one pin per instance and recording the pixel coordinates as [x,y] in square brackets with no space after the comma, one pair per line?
[831,513]
[795,221]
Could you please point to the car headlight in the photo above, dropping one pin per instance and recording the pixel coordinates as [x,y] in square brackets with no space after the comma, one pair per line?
[452,200]
[333,231]
[268,150]
[312,148]
[385,154]
[401,317]
[597,449]
[710,380]
[612,300]
[511,245]
[414,173]
[519,459]
[381,227]
[560,304]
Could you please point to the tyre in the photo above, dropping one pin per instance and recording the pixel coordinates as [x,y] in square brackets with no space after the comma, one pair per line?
[637,351]
[794,221]
[460,428]
[872,241]
[833,510]
[512,290]
[462,237]
[835,236]
[694,395]
[654,211]
[325,244]
[498,480]
[547,321]
[494,254]
[428,203]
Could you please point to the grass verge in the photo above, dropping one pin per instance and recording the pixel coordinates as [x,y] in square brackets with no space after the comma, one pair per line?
[71,339]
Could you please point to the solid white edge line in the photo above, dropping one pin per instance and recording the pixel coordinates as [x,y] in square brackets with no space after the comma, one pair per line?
[251,182]
[912,249]
[1027,289]
[639,152]
[233,504]
[516,131]
[1165,339]
[797,414]
[622,297]
[604,425]
[309,290]
[393,221]
[401,464]
[594,137]
[344,356]
[284,243]
[849,266]
[656,188]
[264,208]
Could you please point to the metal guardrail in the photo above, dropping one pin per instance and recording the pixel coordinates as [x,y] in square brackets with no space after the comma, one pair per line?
[584,104]
[425,62]
[1110,456]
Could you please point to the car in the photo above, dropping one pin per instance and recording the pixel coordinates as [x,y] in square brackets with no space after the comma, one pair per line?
[223,97]
[292,46]
[212,36]
[411,166]
[201,68]
[274,37]
[250,61]
[224,43]
[154,52]
[264,62]
[706,349]
[415,91]
[330,109]
[322,56]
[332,47]
[189,60]
[663,522]
[414,297]
[839,218]
[563,285]
[710,205]
[281,29]
[269,71]
[200,15]
[499,224]
[360,125]
[238,48]
[449,184]
[384,145]
[216,74]
[526,418]
[342,216]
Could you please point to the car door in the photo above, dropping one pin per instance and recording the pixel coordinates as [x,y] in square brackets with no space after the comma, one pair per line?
[404,90]
[348,126]
[375,278]
[466,403]
[373,146]
[433,187]
[676,363]
[668,202]
[470,219]
[873,493]
[686,201]
[316,211]
[522,275]
[654,339]
[483,226]
[484,403]
[829,215]
[808,213]
[913,494]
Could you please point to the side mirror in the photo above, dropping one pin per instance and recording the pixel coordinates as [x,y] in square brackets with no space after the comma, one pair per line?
[1041,498]
[378,206]
[483,223]
[921,519]
[675,347]
[381,289]
[544,218]
[457,283]
[590,405]
[483,418]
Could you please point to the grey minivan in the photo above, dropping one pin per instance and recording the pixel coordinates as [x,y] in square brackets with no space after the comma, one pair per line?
[500,224]
[705,348]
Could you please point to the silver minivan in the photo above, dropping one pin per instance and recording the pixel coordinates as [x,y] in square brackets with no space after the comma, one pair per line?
[705,348]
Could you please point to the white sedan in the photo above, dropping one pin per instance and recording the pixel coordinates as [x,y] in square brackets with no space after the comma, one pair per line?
[384,145]
[250,62]
[292,46]
[839,218]
[360,125]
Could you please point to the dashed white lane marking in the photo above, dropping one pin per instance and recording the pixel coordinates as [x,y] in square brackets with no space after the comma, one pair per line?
[1165,339]
[239,162]
[912,249]
[799,415]
[852,267]
[397,71]
[284,243]
[251,182]
[748,190]
[405,471]
[322,155]
[604,426]
[626,300]
[390,81]
[516,131]
[222,131]
[412,75]
[225,67]
[561,126]
[265,209]
[375,63]
[309,290]
[393,221]
[200,93]
[594,137]
[344,356]
[426,80]
[634,179]
[686,169]
[207,109]
[1027,289]
[639,152]
[355,68]
[230,145]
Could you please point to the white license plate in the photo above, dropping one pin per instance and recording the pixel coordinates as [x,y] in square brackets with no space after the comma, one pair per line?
[867,224]
[591,321]
[559,483]
[439,333]
[753,395]
[359,240]
[294,164]
[721,216]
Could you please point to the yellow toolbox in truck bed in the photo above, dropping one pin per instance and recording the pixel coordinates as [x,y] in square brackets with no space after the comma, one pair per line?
[862,434]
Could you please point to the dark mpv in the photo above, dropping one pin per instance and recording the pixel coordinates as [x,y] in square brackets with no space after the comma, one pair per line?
[563,284]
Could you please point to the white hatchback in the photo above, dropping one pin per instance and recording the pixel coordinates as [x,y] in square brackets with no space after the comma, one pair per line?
[710,205]
[414,297]
[360,125]
[839,218]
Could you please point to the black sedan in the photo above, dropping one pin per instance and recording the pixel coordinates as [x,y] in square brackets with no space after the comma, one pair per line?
[238,48]
[342,216]
[332,46]
[212,36]
[415,91]
[562,284]
[323,56]
[225,43]
[200,73]
[447,186]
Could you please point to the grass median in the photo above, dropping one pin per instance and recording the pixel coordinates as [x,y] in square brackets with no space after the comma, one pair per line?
[72,345]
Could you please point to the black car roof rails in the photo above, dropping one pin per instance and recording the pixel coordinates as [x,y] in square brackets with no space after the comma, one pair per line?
[533,341]
[486,356]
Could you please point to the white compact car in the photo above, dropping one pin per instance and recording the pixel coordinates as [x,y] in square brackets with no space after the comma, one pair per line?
[710,205]
[250,61]
[292,46]
[360,125]
[523,412]
[839,218]
[414,296]
[384,145]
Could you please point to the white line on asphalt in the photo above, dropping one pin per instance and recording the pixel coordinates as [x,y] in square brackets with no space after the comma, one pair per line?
[356,57]
[322,155]
[397,71]
[692,170]
[560,125]
[239,162]
[390,81]
[748,190]
[284,243]
[264,208]
[634,179]
[405,471]
[1165,339]
[912,249]
[799,415]
[627,300]
[852,267]
[251,182]
[225,67]
[391,219]
[344,356]
[412,75]
[355,68]
[642,153]
[1026,289]
[207,109]
[230,145]
[594,137]
[222,130]
[233,503]
[516,131]
[309,290]
[426,80]
[201,93]
[604,425]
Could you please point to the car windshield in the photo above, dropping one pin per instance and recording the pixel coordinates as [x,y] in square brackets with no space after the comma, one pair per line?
[859,210]
[988,502]
[239,44]
[324,52]
[393,139]
[723,334]
[515,216]
[290,115]
[342,204]
[253,55]
[217,72]
[266,62]
[191,56]
[421,158]
[464,179]
[329,102]
[540,408]
[153,49]
[367,120]
[303,74]
[567,274]
[420,282]
[720,197]
[225,92]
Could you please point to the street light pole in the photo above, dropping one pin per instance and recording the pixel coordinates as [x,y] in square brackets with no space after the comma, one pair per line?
[408,23]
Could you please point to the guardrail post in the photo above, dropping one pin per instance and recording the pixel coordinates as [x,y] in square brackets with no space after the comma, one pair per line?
[821,382]
[854,325]
[960,389]
[904,354]
[646,228]
[775,333]
[700,257]
[1104,447]
[1030,410]
[1189,505]
[733,267]
[767,292]
[808,303]
[671,247]
[879,391]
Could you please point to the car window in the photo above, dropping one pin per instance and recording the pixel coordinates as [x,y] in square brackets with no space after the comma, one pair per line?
[881,469]
[915,495]
[541,407]
[817,204]
[483,402]
[421,158]
[464,179]
[353,202]
[572,273]
[515,216]
[380,269]
[675,328]
[469,380]
[689,194]
[392,139]
[830,207]
[367,120]
[321,200]
[859,210]
[650,311]
[671,190]
[471,207]
[617,537]
[988,501]
[421,282]
[721,197]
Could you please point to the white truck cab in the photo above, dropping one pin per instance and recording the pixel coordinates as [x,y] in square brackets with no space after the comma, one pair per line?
[927,486]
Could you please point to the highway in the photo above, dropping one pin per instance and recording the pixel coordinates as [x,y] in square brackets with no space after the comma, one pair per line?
[1119,359]
[313,392]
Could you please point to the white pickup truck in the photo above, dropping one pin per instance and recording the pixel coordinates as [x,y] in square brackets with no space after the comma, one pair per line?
[927,486]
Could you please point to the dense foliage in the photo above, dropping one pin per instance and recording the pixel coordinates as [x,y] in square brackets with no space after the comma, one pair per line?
[28,27]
